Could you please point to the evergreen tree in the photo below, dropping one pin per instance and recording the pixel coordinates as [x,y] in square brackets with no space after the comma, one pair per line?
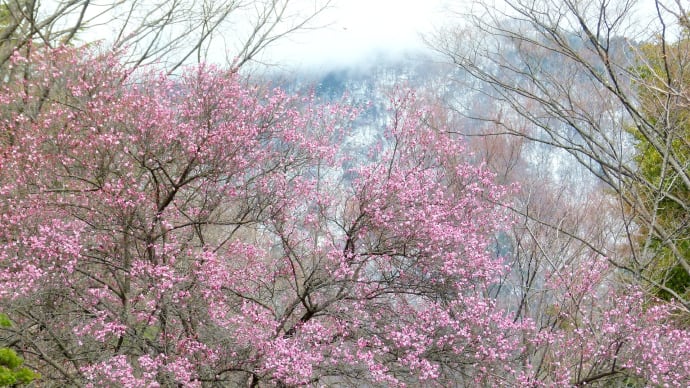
[12,373]
[661,188]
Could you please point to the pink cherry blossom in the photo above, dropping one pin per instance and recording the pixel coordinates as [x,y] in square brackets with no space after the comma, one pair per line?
[198,230]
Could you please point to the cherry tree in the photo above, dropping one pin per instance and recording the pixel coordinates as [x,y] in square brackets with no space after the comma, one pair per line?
[200,231]
[588,327]
[166,33]
[197,230]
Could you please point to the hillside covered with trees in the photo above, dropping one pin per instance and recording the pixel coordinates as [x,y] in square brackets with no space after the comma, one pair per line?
[511,210]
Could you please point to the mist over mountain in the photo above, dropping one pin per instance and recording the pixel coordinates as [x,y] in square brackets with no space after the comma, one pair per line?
[369,85]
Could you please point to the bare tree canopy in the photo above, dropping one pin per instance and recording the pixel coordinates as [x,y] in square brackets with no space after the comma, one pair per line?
[166,32]
[606,82]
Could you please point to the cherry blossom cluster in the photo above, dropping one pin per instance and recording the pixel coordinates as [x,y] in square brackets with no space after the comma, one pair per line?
[199,230]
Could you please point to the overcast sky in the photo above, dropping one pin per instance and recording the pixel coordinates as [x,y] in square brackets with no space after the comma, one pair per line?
[353,31]
[360,29]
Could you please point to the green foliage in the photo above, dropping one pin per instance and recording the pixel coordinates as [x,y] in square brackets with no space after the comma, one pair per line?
[11,370]
[4,16]
[9,359]
[664,193]
[5,320]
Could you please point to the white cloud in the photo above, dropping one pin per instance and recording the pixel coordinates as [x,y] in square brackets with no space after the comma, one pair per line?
[359,28]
